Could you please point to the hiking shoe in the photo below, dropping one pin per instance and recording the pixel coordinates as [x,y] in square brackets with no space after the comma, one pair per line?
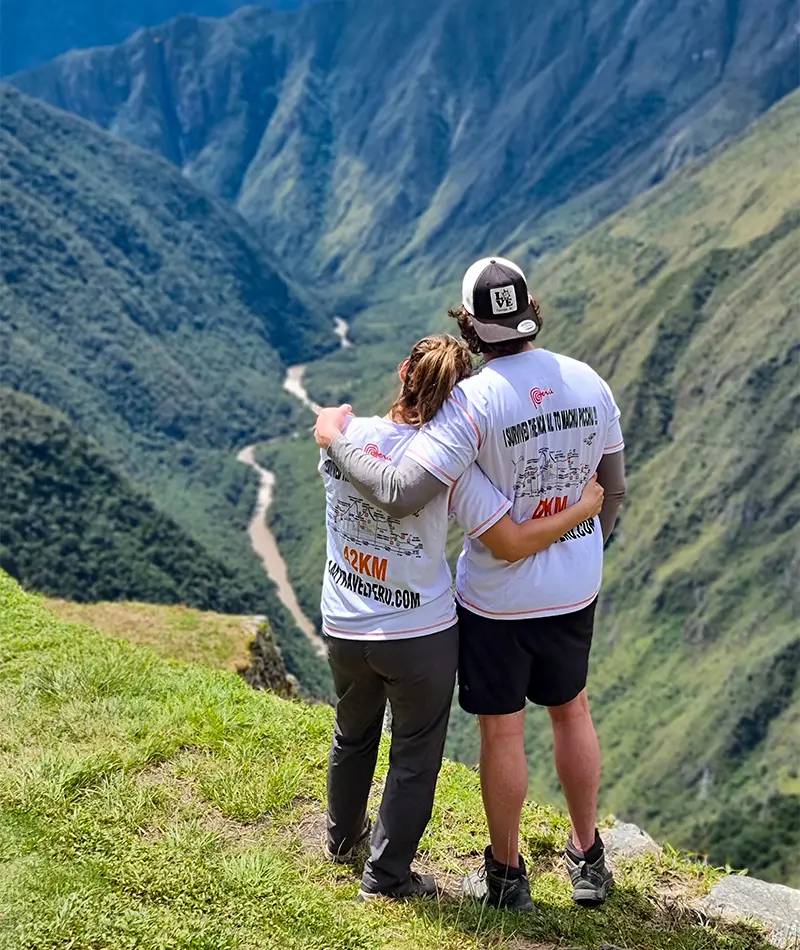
[591,881]
[491,883]
[415,885]
[359,853]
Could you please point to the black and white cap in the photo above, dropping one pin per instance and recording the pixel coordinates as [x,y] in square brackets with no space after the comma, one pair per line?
[495,294]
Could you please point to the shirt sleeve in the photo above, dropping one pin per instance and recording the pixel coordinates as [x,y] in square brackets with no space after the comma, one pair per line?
[449,443]
[614,440]
[400,491]
[476,503]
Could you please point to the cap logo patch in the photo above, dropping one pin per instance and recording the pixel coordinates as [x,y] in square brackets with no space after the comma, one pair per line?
[504,300]
[527,326]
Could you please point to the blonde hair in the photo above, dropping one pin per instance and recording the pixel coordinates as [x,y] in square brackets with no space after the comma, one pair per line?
[435,365]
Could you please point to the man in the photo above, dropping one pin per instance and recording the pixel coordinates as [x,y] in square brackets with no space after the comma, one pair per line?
[539,424]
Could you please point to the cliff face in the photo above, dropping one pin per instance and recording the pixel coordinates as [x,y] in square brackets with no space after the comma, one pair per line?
[267,669]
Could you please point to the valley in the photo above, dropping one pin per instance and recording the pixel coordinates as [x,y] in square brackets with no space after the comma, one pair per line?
[262,539]
[679,637]
[214,226]
[373,154]
[266,548]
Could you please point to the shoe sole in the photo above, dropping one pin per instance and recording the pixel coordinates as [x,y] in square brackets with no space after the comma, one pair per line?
[592,898]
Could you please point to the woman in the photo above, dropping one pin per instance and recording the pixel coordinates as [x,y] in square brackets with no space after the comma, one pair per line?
[390,620]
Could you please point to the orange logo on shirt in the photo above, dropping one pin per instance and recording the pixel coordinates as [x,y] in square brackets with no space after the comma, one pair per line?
[376,453]
[538,396]
[367,564]
[550,506]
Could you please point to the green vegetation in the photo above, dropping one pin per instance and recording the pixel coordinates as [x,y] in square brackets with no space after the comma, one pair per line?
[147,803]
[688,302]
[151,316]
[176,632]
[74,527]
[377,150]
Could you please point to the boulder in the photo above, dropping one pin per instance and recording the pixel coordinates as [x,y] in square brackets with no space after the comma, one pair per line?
[624,840]
[775,906]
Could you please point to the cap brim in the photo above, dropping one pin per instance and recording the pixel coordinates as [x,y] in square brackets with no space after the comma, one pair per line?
[502,330]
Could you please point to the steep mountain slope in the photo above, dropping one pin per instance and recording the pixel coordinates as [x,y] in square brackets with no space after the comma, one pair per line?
[689,303]
[37,30]
[691,307]
[74,527]
[419,136]
[151,315]
[137,291]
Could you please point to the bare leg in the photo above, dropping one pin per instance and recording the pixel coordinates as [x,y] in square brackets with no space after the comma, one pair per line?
[504,782]
[578,763]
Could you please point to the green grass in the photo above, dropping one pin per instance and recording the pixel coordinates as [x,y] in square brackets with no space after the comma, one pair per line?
[179,632]
[147,803]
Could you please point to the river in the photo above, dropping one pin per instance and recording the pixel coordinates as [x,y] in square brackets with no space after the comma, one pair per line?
[261,538]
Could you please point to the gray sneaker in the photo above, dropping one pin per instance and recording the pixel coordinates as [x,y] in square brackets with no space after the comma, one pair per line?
[358,854]
[415,885]
[590,882]
[490,883]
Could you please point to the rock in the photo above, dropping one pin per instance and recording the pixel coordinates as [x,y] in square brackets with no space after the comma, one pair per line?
[775,906]
[624,840]
[267,669]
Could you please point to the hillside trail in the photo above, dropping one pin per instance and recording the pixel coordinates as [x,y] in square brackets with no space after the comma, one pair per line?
[261,538]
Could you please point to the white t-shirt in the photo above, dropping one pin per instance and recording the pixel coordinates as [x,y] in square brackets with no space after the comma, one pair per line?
[538,424]
[387,578]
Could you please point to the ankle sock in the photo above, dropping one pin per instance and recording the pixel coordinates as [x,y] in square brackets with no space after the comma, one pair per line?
[592,854]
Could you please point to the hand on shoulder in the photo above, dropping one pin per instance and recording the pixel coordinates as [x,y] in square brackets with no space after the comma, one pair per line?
[331,422]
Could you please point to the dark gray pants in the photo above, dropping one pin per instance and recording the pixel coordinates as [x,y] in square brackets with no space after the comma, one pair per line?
[417,676]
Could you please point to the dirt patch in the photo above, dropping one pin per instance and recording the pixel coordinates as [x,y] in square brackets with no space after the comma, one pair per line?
[182,789]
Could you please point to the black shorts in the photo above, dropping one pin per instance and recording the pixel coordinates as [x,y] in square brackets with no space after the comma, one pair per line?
[504,662]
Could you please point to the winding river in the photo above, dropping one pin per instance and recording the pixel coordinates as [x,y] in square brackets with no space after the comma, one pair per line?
[261,538]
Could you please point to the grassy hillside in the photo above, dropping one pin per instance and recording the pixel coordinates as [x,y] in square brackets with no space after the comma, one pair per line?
[689,303]
[147,803]
[151,316]
[176,632]
[74,527]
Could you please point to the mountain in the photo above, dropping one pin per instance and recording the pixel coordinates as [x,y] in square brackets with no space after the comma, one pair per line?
[150,315]
[130,291]
[378,153]
[37,30]
[74,527]
[688,301]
